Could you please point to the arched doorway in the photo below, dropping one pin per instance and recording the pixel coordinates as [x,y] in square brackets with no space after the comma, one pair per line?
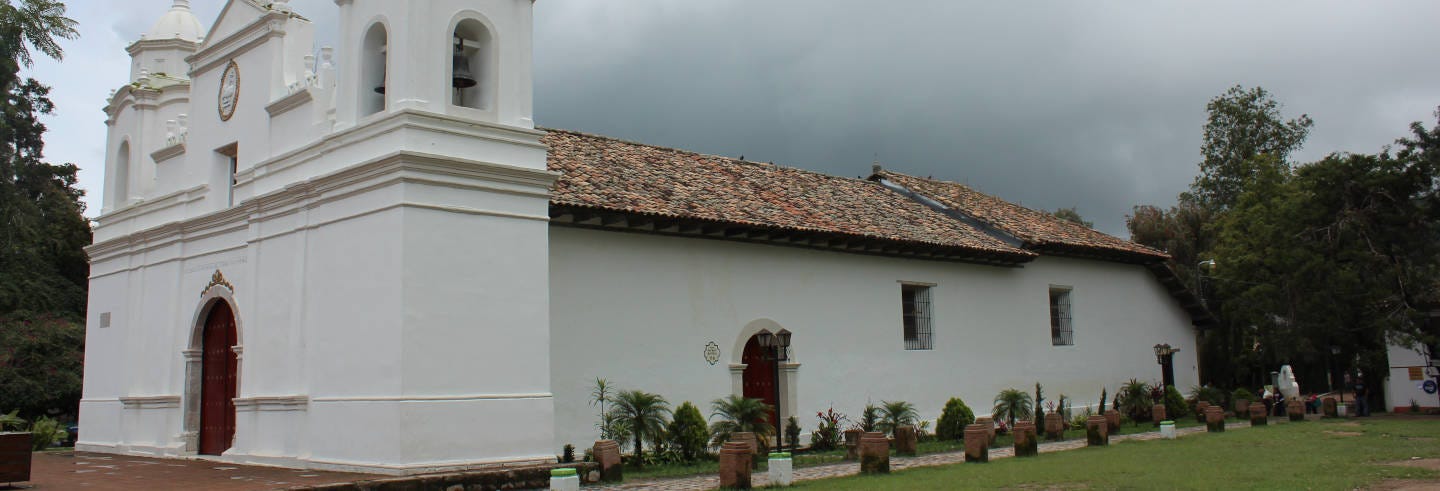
[759,377]
[219,364]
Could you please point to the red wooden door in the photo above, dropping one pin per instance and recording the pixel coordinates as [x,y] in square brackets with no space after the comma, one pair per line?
[759,378]
[217,389]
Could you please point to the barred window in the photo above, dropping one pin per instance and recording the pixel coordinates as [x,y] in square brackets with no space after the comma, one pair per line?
[1061,332]
[915,308]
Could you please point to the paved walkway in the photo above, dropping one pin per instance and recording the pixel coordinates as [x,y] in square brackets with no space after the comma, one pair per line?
[708,482]
[75,470]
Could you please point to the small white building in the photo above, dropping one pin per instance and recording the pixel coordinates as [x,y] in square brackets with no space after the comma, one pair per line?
[1414,377]
[370,259]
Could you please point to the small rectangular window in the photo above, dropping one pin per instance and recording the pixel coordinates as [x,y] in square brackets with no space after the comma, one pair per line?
[1061,331]
[915,308]
[231,155]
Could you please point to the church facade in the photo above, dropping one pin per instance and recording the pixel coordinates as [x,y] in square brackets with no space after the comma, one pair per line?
[369,258]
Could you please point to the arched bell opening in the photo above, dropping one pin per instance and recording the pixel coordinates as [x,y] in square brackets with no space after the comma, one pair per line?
[472,65]
[374,69]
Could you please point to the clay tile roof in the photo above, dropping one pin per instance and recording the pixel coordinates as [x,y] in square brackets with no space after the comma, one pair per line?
[614,175]
[1039,230]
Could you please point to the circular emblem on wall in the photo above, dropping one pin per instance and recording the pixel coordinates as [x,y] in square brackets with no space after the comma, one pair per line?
[229,91]
[1428,386]
[712,353]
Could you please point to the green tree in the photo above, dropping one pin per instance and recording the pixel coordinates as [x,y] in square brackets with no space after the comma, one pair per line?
[40,364]
[895,414]
[43,268]
[1072,215]
[1012,404]
[953,420]
[1243,124]
[643,414]
[688,432]
[739,414]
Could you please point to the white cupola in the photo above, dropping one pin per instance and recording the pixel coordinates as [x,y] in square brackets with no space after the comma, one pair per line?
[178,23]
[163,50]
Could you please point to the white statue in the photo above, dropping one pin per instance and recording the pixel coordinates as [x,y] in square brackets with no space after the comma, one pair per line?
[1288,387]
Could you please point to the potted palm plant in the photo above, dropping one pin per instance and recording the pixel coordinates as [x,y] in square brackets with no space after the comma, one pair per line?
[1012,404]
[738,414]
[643,413]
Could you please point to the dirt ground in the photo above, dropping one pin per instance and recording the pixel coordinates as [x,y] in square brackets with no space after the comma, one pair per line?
[71,470]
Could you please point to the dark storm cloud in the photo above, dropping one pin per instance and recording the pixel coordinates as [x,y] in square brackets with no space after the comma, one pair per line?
[1097,105]
[1053,104]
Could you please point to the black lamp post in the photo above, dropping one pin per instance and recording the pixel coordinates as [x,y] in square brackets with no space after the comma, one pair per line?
[777,347]
[1164,355]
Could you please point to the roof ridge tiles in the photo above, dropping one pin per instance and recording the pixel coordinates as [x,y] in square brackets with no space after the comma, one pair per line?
[756,163]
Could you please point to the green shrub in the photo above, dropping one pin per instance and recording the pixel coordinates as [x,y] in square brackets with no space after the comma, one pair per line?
[953,420]
[870,418]
[1208,394]
[568,454]
[1103,396]
[1133,400]
[1175,406]
[45,432]
[1241,393]
[1039,406]
[12,421]
[688,432]
[827,436]
[792,432]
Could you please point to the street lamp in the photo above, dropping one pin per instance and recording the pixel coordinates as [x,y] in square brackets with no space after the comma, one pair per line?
[1200,278]
[777,347]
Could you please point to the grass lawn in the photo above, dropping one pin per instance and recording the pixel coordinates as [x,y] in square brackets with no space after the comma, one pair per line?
[1310,455]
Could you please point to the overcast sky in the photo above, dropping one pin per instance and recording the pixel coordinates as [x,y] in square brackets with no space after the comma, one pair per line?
[1097,105]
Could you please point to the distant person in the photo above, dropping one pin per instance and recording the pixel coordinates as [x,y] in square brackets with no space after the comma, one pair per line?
[1362,406]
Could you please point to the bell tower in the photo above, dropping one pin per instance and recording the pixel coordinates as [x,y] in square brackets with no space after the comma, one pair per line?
[461,58]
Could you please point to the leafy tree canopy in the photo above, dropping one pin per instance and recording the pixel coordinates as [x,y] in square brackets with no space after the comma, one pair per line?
[1072,215]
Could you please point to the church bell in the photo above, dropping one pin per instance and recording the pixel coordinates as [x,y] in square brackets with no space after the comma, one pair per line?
[460,65]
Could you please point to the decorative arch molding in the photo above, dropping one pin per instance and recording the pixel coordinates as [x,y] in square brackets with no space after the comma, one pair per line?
[218,290]
[789,370]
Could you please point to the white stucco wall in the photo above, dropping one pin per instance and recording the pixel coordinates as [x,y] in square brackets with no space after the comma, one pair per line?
[639,309]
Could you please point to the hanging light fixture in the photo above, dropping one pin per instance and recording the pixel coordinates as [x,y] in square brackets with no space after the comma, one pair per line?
[765,338]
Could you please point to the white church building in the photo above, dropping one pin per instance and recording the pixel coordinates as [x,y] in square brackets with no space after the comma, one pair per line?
[369,258]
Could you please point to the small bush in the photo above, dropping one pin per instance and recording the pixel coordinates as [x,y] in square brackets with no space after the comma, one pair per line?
[827,436]
[1208,394]
[568,455]
[894,414]
[12,421]
[688,432]
[1175,406]
[1414,406]
[869,418]
[922,432]
[792,432]
[45,432]
[1133,400]
[953,420]
[1241,393]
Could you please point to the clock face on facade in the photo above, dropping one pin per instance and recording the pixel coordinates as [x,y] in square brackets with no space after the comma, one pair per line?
[229,91]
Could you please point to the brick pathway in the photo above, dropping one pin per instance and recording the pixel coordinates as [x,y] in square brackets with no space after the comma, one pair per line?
[71,470]
[708,482]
